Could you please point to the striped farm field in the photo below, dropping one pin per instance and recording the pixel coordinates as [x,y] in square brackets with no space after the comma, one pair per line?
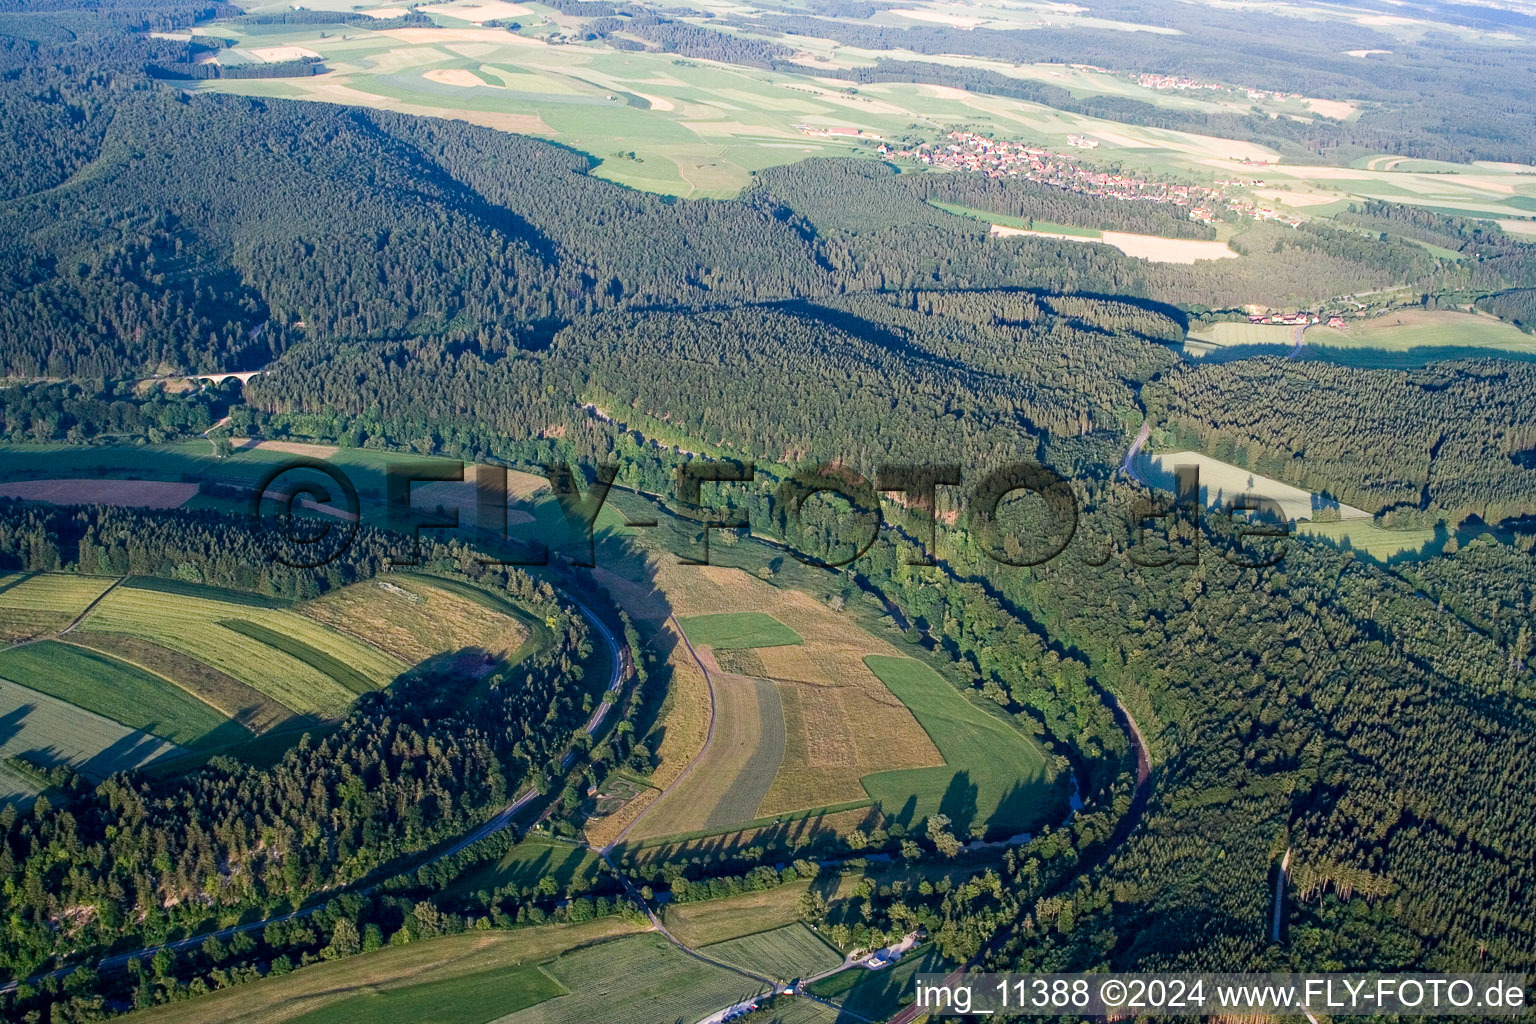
[640,979]
[403,983]
[116,690]
[43,728]
[787,953]
[200,628]
[241,703]
[34,604]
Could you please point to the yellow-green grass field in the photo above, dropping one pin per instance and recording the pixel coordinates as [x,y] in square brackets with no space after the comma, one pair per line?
[709,922]
[732,630]
[993,774]
[400,983]
[119,691]
[35,604]
[279,652]
[1225,335]
[1366,538]
[639,979]
[785,953]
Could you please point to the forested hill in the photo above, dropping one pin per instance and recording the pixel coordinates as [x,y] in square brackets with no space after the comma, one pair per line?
[367,225]
[1451,441]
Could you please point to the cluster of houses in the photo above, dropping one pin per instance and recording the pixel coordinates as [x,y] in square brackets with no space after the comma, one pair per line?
[999,158]
[1302,319]
[1185,83]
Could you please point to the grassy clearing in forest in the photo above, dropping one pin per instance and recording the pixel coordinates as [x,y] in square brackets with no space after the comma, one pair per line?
[993,774]
[116,690]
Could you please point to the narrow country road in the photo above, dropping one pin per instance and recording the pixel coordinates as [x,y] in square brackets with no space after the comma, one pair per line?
[708,736]
[1128,467]
[621,671]
[1280,877]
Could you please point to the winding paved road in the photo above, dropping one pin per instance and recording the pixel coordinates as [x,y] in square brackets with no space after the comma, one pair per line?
[621,671]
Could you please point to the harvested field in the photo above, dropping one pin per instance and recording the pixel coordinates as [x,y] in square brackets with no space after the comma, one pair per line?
[117,690]
[125,493]
[738,629]
[49,730]
[35,604]
[352,982]
[787,953]
[413,621]
[314,451]
[1152,248]
[453,76]
[240,703]
[737,770]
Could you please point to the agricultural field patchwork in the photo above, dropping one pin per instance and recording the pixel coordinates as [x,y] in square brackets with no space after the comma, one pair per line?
[47,731]
[117,690]
[641,979]
[233,639]
[993,775]
[36,604]
[502,969]
[787,953]
[240,703]
[799,718]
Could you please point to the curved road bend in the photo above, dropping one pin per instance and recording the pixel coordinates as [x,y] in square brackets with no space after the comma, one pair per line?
[621,671]
[1122,831]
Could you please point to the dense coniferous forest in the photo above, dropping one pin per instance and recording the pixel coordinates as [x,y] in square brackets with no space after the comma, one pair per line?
[1450,441]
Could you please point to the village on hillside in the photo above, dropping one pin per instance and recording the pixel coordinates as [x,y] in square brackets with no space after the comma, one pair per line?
[1001,158]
